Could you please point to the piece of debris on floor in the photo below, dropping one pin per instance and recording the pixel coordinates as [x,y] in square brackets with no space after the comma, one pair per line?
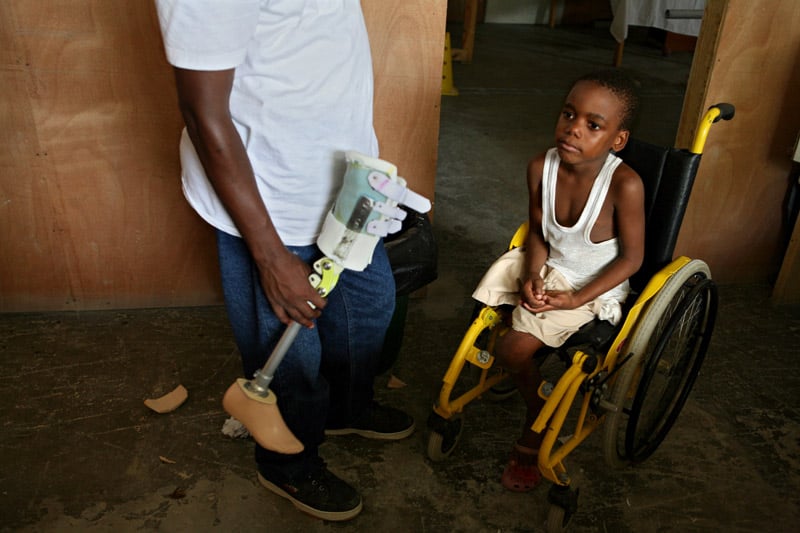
[169,402]
[395,382]
[235,429]
[166,460]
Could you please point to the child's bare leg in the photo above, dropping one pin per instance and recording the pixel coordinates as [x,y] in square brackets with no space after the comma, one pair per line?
[515,351]
[528,381]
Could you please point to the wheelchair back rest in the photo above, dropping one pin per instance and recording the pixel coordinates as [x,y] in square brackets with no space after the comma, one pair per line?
[668,175]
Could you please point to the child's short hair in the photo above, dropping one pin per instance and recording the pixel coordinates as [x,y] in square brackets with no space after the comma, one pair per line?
[623,86]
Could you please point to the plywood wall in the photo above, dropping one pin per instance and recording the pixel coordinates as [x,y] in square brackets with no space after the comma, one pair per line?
[91,212]
[735,216]
[407,40]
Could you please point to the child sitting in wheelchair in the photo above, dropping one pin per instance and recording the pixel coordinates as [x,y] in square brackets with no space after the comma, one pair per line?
[585,239]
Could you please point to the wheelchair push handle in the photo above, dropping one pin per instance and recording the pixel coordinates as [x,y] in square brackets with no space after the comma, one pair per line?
[715,113]
[726,111]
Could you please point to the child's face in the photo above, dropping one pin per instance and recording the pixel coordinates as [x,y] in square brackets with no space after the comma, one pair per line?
[589,124]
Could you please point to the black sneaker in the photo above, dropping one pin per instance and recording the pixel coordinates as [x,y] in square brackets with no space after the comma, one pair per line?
[317,492]
[378,422]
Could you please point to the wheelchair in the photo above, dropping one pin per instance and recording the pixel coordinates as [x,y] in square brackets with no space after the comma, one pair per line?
[630,380]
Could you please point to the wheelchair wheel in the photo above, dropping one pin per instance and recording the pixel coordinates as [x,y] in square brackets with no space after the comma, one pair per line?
[563,504]
[556,519]
[443,435]
[668,348]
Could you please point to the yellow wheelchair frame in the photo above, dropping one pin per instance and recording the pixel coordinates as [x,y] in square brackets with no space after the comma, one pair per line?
[672,315]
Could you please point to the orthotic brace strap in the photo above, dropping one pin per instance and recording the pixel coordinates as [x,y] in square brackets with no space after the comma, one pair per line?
[399,192]
[365,210]
[383,227]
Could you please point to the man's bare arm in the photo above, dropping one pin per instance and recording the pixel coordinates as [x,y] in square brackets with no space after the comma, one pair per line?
[204,102]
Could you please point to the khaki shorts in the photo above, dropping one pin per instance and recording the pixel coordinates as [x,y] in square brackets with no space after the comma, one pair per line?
[501,285]
[554,327]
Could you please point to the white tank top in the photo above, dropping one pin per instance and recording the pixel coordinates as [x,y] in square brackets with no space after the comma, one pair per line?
[572,251]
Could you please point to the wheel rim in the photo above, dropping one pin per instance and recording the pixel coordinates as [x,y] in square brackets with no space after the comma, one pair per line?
[680,343]
[650,326]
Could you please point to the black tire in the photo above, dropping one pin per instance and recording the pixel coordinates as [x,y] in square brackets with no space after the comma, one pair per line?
[668,346]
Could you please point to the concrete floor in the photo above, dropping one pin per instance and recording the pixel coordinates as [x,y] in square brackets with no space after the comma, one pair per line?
[79,451]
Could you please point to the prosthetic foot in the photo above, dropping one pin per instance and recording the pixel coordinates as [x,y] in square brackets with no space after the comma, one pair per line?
[260,415]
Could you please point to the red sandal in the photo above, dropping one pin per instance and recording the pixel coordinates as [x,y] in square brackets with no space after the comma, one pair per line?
[521,473]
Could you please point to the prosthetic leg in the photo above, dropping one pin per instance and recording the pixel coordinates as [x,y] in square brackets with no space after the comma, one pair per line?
[365,210]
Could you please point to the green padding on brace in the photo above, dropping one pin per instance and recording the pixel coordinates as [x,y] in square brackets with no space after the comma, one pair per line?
[355,190]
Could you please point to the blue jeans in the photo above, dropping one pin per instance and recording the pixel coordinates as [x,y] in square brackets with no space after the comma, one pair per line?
[327,375]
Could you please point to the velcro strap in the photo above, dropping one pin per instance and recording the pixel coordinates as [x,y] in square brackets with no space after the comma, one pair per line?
[389,210]
[399,192]
[382,228]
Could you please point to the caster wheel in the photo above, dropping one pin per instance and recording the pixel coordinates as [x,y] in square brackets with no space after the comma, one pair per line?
[557,519]
[563,502]
[443,435]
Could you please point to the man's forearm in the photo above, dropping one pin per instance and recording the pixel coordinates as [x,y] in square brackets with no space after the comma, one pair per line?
[228,168]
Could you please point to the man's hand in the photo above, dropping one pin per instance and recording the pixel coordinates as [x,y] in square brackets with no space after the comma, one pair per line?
[285,283]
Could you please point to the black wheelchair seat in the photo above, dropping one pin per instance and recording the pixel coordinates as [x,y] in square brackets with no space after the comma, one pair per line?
[592,337]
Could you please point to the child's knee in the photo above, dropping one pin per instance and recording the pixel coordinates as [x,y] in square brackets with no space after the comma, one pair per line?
[512,351]
[508,353]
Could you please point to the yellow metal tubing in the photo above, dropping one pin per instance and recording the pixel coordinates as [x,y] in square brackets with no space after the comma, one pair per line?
[520,236]
[703,128]
[452,406]
[550,464]
[573,374]
[715,113]
[582,417]
[487,318]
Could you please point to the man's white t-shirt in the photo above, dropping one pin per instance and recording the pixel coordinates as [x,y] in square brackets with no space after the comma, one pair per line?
[302,96]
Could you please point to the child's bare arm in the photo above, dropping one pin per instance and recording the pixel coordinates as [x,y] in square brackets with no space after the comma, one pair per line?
[532,290]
